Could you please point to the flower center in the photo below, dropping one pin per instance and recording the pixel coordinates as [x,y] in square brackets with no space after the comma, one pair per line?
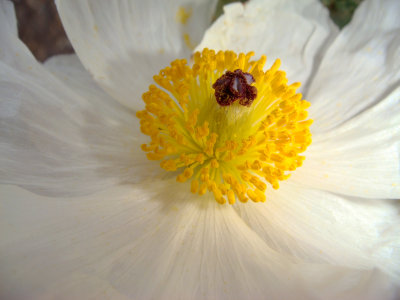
[226,125]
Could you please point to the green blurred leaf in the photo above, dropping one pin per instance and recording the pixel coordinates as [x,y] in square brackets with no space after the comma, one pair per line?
[341,11]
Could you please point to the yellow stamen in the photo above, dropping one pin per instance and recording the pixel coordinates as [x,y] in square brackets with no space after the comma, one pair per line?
[232,151]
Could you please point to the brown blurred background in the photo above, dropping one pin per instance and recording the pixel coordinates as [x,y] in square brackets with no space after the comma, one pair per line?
[40,28]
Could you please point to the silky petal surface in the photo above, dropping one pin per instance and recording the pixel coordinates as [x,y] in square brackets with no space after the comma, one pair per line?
[60,134]
[156,242]
[124,43]
[147,242]
[321,227]
[342,283]
[361,66]
[297,32]
[360,158]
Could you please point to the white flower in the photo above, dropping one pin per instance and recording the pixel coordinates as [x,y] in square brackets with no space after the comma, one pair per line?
[329,232]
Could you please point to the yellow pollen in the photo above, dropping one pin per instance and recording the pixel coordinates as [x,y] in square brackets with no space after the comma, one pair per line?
[235,151]
[183,15]
[188,41]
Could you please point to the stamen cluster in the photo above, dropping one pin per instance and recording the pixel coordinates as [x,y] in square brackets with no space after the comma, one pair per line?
[233,151]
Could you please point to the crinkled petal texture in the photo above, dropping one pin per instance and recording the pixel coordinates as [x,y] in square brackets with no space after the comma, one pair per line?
[360,158]
[356,108]
[60,134]
[353,88]
[360,68]
[150,242]
[297,32]
[124,43]
[321,227]
[317,237]
[146,242]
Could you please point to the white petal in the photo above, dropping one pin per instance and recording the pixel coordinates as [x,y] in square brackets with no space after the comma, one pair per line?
[145,242]
[361,66]
[124,43]
[12,50]
[344,284]
[9,21]
[43,248]
[55,139]
[153,242]
[320,227]
[359,158]
[297,32]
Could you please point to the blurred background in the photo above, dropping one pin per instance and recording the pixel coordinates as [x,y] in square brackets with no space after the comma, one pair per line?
[40,28]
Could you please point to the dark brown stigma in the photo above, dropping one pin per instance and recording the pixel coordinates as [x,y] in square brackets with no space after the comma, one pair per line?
[234,86]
